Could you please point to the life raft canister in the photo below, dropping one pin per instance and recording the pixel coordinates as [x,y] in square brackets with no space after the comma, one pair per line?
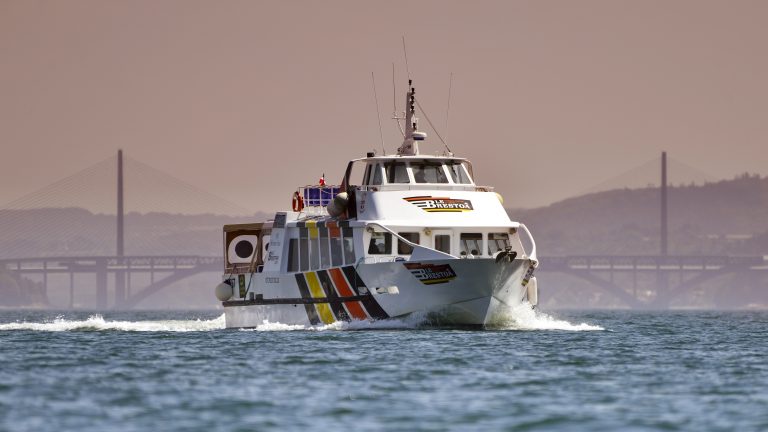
[298,202]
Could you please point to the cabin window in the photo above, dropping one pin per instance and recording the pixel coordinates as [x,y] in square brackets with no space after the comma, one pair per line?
[443,243]
[470,244]
[293,255]
[397,173]
[325,248]
[497,242]
[349,246]
[404,248]
[314,253]
[377,180]
[428,172]
[337,259]
[458,173]
[303,249]
[380,244]
[367,175]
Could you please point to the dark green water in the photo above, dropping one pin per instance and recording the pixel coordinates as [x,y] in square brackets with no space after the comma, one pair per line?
[580,371]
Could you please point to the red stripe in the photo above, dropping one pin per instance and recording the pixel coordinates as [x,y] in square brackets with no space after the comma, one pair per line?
[354,307]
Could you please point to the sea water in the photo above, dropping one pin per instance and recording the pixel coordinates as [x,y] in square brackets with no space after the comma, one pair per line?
[580,371]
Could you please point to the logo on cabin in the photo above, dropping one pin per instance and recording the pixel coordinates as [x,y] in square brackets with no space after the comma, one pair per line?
[430,274]
[440,204]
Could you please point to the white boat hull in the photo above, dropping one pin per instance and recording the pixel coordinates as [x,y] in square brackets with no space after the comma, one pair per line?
[441,292]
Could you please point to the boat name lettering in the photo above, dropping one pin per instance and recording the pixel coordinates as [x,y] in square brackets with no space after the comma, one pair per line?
[273,257]
[275,280]
[440,204]
[430,274]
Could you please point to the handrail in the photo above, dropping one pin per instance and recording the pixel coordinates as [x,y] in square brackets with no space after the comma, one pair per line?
[425,186]
[532,255]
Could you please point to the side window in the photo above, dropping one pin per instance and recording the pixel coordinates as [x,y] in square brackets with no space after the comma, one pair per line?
[397,173]
[443,243]
[428,172]
[380,244]
[404,248]
[367,175]
[265,247]
[303,249]
[458,174]
[497,242]
[470,244]
[377,175]
[337,259]
[314,253]
[325,248]
[349,246]
[293,255]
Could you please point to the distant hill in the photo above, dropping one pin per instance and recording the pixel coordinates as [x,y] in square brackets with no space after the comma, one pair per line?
[730,216]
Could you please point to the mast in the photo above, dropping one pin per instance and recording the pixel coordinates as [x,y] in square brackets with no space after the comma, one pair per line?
[410,146]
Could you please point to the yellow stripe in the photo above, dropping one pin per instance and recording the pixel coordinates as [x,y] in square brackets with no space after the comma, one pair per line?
[434,281]
[312,226]
[446,210]
[323,309]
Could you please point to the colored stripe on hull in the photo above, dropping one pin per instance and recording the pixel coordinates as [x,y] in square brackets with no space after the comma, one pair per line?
[355,308]
[330,293]
[317,291]
[373,308]
[314,319]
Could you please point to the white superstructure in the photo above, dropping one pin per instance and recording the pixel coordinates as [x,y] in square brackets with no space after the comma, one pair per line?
[415,234]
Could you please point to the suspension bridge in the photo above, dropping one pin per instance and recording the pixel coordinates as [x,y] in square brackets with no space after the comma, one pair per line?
[84,234]
[125,273]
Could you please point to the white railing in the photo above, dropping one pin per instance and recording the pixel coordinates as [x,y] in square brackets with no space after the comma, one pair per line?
[423,186]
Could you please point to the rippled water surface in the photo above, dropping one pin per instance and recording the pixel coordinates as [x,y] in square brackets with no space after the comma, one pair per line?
[558,371]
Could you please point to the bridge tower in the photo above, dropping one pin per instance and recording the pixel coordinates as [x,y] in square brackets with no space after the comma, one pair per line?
[101,275]
[120,286]
[664,245]
[662,278]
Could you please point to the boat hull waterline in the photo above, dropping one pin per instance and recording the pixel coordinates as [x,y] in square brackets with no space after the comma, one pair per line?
[471,292]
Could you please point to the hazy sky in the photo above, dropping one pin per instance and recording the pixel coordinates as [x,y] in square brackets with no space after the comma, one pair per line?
[249,99]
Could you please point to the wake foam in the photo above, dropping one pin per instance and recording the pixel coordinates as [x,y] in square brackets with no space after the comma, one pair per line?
[98,323]
[523,317]
[411,322]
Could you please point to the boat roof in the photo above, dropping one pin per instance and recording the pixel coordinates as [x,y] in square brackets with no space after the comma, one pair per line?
[410,157]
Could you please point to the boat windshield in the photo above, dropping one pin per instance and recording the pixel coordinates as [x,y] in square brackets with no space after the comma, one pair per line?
[428,172]
[397,173]
[497,242]
[459,172]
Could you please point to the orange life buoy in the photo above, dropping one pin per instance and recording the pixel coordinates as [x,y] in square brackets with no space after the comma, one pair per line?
[298,202]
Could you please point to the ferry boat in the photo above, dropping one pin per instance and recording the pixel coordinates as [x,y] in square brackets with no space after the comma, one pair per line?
[412,236]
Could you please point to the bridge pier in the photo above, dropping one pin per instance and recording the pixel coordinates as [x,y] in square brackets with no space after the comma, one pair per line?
[120,288]
[71,290]
[101,285]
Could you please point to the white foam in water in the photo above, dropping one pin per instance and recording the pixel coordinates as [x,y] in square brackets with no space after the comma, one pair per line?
[523,317]
[97,322]
[389,324]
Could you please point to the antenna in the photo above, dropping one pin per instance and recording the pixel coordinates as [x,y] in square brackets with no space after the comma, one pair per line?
[406,59]
[378,115]
[394,103]
[433,127]
[448,110]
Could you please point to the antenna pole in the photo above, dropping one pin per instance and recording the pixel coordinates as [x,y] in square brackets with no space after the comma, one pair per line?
[448,110]
[405,52]
[378,115]
[394,103]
